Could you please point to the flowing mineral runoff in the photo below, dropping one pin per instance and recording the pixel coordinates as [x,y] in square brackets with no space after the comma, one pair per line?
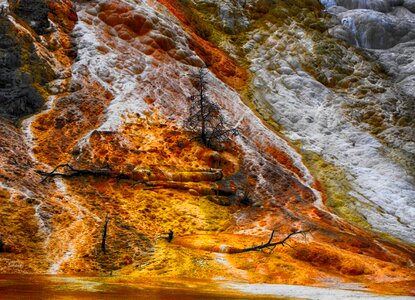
[313,115]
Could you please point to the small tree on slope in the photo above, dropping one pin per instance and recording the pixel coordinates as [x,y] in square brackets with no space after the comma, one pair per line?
[205,119]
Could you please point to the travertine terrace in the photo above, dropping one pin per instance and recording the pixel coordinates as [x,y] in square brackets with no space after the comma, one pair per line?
[326,141]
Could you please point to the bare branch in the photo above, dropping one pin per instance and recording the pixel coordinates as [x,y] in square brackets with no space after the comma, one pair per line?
[77,172]
[271,237]
[272,245]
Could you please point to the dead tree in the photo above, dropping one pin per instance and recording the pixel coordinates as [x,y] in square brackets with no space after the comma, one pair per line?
[270,245]
[104,234]
[205,119]
[76,172]
[170,235]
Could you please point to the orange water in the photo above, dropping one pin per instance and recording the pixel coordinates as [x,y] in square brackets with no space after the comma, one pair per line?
[65,287]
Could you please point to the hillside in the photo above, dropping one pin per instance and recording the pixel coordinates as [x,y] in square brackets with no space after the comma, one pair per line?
[322,97]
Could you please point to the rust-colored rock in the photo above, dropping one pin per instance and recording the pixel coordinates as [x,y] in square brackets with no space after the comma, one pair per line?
[116,13]
[63,12]
[220,63]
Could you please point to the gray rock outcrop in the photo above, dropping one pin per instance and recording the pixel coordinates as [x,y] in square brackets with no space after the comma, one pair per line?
[18,97]
[373,24]
[33,12]
[410,5]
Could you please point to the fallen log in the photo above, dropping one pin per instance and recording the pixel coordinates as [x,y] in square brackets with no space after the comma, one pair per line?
[174,179]
[77,172]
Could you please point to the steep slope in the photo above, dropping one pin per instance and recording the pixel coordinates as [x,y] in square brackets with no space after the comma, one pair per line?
[116,102]
[329,96]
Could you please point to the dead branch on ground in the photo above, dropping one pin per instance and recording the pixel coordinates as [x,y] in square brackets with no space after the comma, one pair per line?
[163,181]
[76,172]
[271,245]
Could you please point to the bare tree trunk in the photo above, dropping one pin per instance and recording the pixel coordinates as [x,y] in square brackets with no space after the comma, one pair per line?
[104,234]
[170,235]
[202,110]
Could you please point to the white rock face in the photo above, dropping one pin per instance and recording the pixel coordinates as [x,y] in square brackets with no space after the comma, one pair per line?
[312,114]
[233,19]
[374,29]
[372,24]
[409,4]
[320,118]
[399,62]
[387,30]
[377,5]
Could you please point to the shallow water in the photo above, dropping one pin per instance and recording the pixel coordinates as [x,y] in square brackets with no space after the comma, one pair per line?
[112,287]
[64,287]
